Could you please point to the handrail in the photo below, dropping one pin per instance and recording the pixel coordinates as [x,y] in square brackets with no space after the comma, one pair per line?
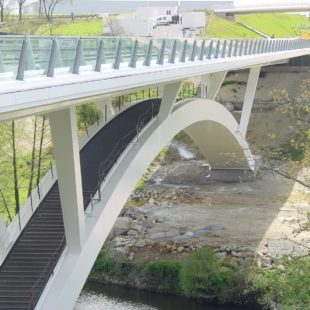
[22,52]
[48,270]
[106,165]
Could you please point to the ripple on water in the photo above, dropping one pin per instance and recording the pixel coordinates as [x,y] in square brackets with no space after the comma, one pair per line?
[95,301]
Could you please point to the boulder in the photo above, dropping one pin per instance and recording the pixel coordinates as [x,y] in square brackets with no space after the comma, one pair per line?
[121,226]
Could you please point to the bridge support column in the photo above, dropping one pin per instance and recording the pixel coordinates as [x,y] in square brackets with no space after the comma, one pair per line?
[66,150]
[249,99]
[211,84]
[170,93]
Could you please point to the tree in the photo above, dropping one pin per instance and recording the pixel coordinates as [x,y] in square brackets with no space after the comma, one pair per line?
[49,8]
[20,9]
[296,151]
[113,27]
[1,11]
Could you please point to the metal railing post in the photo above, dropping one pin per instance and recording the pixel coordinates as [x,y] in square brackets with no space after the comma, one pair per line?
[134,53]
[246,46]
[224,49]
[118,55]
[22,61]
[183,53]
[161,56]
[236,48]
[99,58]
[193,53]
[202,50]
[230,48]
[173,52]
[217,51]
[241,48]
[148,55]
[77,59]
[210,50]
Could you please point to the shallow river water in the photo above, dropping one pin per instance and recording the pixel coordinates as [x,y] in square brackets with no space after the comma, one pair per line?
[98,296]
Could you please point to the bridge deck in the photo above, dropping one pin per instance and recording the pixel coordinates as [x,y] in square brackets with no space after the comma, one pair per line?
[31,261]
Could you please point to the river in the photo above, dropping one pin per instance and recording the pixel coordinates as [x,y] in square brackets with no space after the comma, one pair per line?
[99,296]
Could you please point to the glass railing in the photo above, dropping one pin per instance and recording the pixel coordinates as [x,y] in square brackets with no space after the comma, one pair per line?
[24,56]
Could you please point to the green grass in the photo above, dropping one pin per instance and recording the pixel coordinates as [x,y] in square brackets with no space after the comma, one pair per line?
[223,28]
[280,24]
[81,27]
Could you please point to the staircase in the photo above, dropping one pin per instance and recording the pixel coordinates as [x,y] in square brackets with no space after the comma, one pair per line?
[31,261]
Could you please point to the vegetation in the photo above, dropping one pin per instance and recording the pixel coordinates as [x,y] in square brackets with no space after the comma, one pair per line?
[277,24]
[296,151]
[202,276]
[223,28]
[288,284]
[80,27]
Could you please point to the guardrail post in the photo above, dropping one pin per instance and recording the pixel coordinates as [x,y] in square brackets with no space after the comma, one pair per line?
[183,53]
[99,58]
[193,53]
[217,51]
[230,48]
[1,63]
[22,61]
[173,52]
[255,47]
[246,46]
[224,49]
[55,57]
[161,56]
[241,48]
[133,57]
[148,54]
[77,59]
[250,52]
[202,50]
[236,48]
[118,54]
[210,50]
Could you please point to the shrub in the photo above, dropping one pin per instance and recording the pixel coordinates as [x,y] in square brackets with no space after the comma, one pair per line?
[164,274]
[288,284]
[203,275]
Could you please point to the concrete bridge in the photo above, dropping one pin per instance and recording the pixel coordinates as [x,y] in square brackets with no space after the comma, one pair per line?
[46,262]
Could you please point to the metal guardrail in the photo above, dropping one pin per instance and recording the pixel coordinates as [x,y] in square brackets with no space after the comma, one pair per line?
[22,56]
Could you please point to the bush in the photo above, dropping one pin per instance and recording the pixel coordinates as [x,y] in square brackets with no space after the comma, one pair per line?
[112,268]
[165,275]
[288,284]
[203,275]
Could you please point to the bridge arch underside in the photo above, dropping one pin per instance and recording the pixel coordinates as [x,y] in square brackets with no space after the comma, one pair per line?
[210,125]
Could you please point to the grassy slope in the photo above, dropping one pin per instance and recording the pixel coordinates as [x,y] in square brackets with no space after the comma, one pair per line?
[281,25]
[81,27]
[223,28]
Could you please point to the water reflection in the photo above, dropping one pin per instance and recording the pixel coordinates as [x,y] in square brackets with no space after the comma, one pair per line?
[98,296]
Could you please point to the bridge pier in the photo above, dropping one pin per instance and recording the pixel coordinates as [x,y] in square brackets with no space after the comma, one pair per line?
[170,92]
[66,150]
[249,99]
[211,84]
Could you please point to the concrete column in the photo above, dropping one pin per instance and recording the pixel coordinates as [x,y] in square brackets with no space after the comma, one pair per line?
[249,99]
[211,84]
[66,150]
[170,93]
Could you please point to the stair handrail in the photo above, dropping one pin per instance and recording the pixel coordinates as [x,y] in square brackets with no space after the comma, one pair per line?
[48,270]
[106,165]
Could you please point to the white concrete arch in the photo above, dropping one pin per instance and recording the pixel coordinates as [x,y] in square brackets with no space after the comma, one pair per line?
[207,122]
